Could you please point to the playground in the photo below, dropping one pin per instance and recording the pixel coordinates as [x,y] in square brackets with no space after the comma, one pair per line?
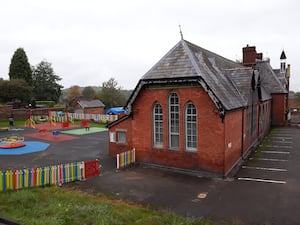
[42,150]
[46,127]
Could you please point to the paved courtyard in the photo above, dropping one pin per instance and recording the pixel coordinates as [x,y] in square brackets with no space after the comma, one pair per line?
[265,191]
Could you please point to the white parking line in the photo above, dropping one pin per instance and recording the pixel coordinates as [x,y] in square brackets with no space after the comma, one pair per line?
[272,160]
[283,142]
[276,152]
[282,135]
[278,146]
[262,180]
[265,168]
[284,138]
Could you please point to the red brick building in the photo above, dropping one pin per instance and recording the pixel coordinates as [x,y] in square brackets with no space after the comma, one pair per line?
[197,110]
[89,107]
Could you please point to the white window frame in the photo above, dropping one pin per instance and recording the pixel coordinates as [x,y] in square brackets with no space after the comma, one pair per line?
[174,120]
[190,119]
[158,126]
[112,137]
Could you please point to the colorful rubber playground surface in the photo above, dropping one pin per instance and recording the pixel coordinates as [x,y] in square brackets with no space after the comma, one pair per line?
[42,136]
[30,147]
[83,131]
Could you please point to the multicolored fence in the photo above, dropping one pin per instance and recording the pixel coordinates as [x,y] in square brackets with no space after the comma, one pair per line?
[81,116]
[48,175]
[125,158]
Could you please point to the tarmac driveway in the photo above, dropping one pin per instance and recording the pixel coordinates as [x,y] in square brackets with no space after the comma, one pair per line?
[86,147]
[265,191]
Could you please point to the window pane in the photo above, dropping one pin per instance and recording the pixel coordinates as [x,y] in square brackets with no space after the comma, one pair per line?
[175,141]
[174,121]
[157,126]
[191,127]
[122,136]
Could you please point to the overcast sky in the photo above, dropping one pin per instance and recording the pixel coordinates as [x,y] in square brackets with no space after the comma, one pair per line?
[90,41]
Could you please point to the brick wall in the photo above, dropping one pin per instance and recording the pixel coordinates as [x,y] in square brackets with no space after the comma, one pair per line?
[210,154]
[279,109]
[116,147]
[5,112]
[97,110]
[220,144]
[19,114]
[233,138]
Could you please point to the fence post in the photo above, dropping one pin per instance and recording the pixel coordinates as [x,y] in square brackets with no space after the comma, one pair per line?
[16,179]
[133,155]
[118,161]
[1,180]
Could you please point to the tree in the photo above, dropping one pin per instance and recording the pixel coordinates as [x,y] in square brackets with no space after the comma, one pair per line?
[297,96]
[16,90]
[111,95]
[89,93]
[73,94]
[19,67]
[45,86]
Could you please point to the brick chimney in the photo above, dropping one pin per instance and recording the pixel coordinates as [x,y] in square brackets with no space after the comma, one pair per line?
[250,56]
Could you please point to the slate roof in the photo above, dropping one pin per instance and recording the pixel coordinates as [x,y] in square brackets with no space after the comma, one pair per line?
[228,83]
[281,76]
[269,79]
[91,104]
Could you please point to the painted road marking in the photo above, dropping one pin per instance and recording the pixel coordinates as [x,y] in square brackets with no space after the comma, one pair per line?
[264,168]
[276,152]
[273,160]
[282,142]
[277,146]
[284,138]
[262,180]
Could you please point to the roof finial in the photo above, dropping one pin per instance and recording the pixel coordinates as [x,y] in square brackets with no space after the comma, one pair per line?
[181,35]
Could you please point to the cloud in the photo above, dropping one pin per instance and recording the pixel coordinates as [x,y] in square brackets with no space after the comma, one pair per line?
[90,41]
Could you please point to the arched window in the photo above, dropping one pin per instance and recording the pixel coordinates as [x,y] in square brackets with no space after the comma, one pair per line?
[174,121]
[158,137]
[190,127]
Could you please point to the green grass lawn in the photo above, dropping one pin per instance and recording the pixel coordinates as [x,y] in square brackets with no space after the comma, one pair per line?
[16,123]
[77,122]
[63,206]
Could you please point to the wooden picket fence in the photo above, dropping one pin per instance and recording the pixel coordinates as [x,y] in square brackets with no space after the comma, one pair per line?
[81,116]
[125,158]
[48,175]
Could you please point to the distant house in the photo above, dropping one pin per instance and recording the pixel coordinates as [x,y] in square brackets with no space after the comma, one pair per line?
[294,102]
[197,110]
[294,105]
[89,107]
[294,108]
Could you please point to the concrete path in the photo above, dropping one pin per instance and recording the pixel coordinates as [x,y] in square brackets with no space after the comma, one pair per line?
[265,191]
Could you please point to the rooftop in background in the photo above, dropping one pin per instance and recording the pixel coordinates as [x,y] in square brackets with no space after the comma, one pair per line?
[90,104]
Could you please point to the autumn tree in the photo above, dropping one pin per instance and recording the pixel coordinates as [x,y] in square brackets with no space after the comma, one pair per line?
[73,94]
[111,95]
[89,93]
[19,67]
[297,96]
[45,82]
